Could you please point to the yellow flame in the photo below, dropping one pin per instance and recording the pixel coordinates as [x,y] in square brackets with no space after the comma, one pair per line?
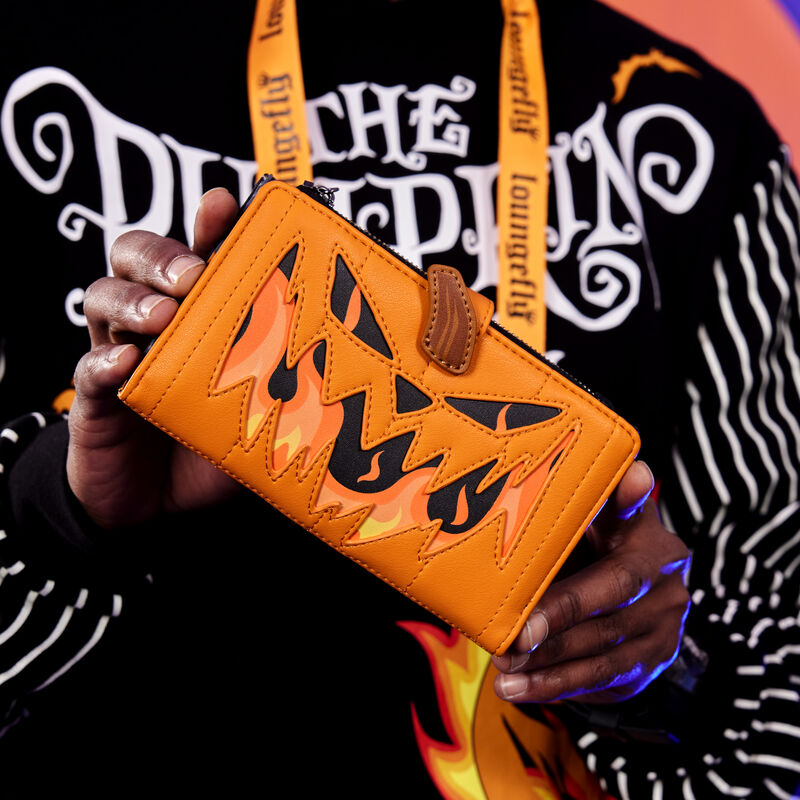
[481,760]
[459,667]
[292,439]
[253,423]
[370,528]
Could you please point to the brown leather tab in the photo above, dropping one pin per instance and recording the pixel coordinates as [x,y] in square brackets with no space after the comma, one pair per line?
[449,336]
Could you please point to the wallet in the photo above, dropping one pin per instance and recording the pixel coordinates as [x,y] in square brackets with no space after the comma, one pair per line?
[380,408]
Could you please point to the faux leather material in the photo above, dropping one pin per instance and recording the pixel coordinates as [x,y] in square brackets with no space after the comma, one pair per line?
[295,365]
[452,328]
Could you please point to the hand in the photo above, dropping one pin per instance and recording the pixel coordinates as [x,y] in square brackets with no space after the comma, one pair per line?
[605,632]
[122,469]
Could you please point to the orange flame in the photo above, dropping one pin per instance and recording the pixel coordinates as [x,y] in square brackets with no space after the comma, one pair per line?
[315,422]
[306,423]
[374,469]
[515,500]
[627,69]
[458,667]
[483,760]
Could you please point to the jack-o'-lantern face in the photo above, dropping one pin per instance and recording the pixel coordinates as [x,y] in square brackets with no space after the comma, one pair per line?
[328,378]
[301,364]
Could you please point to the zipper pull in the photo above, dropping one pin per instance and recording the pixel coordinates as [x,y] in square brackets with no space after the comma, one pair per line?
[323,194]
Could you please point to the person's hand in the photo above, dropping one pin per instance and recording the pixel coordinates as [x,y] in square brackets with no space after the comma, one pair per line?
[122,469]
[605,632]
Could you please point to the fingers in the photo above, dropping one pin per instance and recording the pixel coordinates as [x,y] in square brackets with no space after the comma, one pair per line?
[215,217]
[615,581]
[633,490]
[104,367]
[622,652]
[96,412]
[606,677]
[121,469]
[119,311]
[606,631]
[165,265]
[150,273]
[663,611]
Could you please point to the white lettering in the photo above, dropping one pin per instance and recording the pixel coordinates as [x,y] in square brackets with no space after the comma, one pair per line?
[482,240]
[110,133]
[407,233]
[428,116]
[568,225]
[684,200]
[616,277]
[190,161]
[386,116]
[590,140]
[320,152]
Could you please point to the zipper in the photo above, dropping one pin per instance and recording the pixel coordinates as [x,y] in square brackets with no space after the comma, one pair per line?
[324,196]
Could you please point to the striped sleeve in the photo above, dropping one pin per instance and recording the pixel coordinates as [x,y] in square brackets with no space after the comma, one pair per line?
[50,619]
[734,492]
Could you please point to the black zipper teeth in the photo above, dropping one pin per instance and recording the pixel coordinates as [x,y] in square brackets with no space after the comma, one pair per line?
[312,192]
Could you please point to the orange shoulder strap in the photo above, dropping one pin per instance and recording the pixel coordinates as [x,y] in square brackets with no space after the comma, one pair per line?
[276,93]
[277,96]
[522,182]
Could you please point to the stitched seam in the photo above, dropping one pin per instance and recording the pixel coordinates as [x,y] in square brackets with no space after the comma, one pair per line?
[470,316]
[406,271]
[219,312]
[555,524]
[275,504]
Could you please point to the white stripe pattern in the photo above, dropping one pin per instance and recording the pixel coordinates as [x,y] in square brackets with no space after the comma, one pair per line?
[777,791]
[62,633]
[770,760]
[779,519]
[721,382]
[40,648]
[726,789]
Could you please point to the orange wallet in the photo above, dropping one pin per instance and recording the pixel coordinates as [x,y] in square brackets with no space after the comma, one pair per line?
[381,409]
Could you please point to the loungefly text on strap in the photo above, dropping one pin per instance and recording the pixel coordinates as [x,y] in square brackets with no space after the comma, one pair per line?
[280,136]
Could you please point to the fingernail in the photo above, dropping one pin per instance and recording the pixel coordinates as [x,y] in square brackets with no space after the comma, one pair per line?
[210,192]
[634,509]
[537,629]
[115,353]
[513,686]
[147,305]
[520,660]
[180,265]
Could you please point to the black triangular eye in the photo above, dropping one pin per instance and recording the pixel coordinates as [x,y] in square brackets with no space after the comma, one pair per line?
[499,416]
[350,307]
[244,326]
[286,266]
[409,398]
[287,263]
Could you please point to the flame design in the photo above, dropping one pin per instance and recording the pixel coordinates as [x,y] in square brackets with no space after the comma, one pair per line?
[315,422]
[462,508]
[374,469]
[459,667]
[295,398]
[501,419]
[655,58]
[495,750]
[353,310]
[514,501]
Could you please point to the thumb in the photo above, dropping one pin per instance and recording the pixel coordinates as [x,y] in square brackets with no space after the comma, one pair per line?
[632,492]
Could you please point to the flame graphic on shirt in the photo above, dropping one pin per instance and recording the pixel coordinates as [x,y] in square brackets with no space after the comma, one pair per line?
[654,58]
[495,752]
